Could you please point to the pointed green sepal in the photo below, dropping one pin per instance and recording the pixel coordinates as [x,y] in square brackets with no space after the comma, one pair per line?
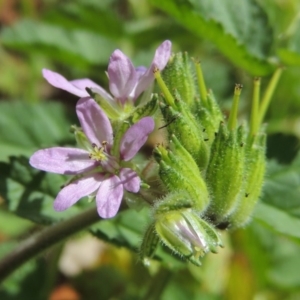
[147,109]
[178,75]
[254,177]
[188,133]
[226,172]
[149,244]
[80,137]
[178,171]
[111,108]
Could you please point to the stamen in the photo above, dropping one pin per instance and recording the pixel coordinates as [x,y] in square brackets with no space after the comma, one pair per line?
[98,153]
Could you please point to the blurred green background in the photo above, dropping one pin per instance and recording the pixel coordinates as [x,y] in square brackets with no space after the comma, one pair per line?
[235,41]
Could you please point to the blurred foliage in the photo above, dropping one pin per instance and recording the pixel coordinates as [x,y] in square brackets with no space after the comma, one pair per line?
[235,41]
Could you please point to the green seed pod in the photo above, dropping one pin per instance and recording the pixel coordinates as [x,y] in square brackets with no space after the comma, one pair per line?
[178,171]
[185,233]
[209,115]
[188,133]
[255,171]
[225,172]
[178,75]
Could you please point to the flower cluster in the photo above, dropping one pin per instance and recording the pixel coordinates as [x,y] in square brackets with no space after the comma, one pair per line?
[98,170]
[209,170]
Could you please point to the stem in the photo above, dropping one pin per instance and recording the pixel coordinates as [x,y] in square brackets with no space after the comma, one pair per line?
[201,82]
[232,121]
[44,239]
[169,98]
[158,284]
[254,122]
[268,95]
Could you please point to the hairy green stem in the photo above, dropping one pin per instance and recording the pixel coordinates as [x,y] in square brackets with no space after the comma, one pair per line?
[44,239]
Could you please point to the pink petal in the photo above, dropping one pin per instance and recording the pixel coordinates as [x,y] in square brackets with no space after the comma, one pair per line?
[160,60]
[122,75]
[162,55]
[94,122]
[135,137]
[140,71]
[76,190]
[109,197]
[61,82]
[62,160]
[84,83]
[130,180]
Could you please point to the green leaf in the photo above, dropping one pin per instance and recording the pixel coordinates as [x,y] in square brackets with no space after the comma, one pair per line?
[70,46]
[277,220]
[29,193]
[280,206]
[126,229]
[239,30]
[27,282]
[26,127]
[290,54]
[282,187]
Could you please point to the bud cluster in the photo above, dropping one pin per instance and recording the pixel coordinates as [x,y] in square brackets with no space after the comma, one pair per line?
[212,168]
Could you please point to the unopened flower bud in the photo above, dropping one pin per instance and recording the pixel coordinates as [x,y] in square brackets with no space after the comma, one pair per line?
[185,233]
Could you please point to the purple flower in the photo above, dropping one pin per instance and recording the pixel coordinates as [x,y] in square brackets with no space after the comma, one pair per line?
[125,81]
[101,174]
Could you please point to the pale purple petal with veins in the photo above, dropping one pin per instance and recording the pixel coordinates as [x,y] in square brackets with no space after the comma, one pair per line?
[94,122]
[130,180]
[160,60]
[84,83]
[76,190]
[135,137]
[60,160]
[109,197]
[140,70]
[122,75]
[61,82]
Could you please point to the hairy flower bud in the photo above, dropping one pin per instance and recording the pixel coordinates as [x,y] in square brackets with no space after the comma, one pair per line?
[185,233]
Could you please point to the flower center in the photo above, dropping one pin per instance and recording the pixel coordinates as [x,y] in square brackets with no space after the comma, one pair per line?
[99,153]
